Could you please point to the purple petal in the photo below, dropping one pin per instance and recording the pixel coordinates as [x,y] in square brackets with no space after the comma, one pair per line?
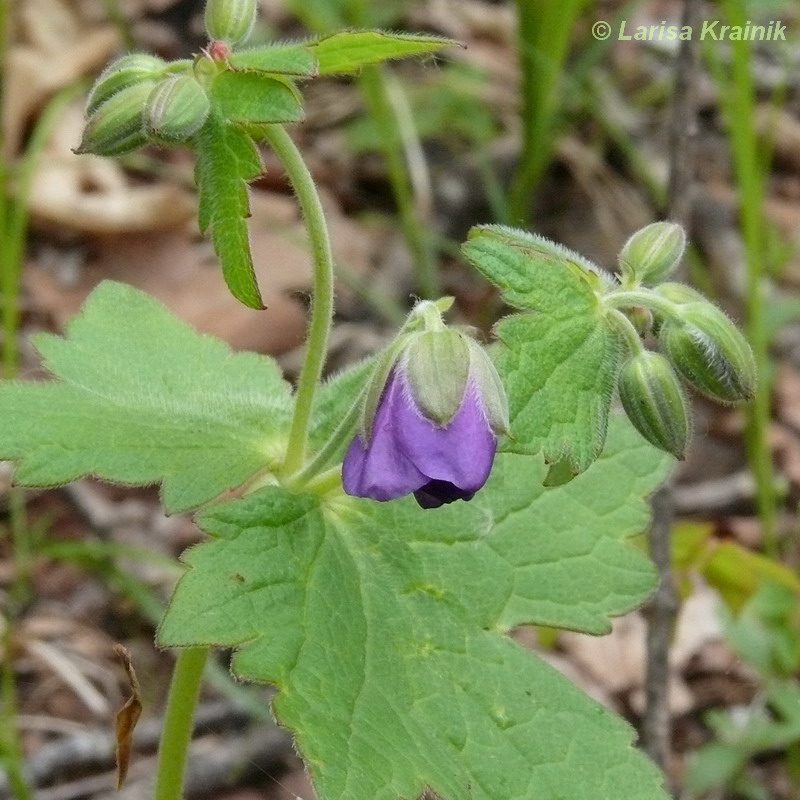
[461,452]
[380,470]
[408,453]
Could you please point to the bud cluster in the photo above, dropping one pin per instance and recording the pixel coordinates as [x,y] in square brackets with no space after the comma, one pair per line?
[141,98]
[699,344]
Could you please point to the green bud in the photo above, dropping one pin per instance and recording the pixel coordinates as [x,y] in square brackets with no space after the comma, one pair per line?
[652,253]
[176,108]
[122,73]
[710,353]
[679,293]
[230,21]
[117,127]
[655,402]
[436,364]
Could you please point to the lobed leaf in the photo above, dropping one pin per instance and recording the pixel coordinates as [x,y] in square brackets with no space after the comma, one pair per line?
[282,59]
[142,398]
[382,626]
[348,51]
[558,365]
[255,98]
[227,159]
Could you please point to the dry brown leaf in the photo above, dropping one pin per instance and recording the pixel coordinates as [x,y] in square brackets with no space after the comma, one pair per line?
[54,45]
[89,194]
[127,716]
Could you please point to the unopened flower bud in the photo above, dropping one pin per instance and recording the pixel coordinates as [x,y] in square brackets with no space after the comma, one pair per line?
[652,253]
[230,21]
[176,108]
[122,73]
[655,402]
[679,293]
[117,127]
[710,353]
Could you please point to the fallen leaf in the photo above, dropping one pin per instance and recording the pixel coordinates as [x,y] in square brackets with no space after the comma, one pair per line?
[127,716]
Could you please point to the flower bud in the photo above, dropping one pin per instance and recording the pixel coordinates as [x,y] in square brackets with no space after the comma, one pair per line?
[176,108]
[655,402]
[652,253]
[230,21]
[679,293]
[117,127]
[122,73]
[710,353]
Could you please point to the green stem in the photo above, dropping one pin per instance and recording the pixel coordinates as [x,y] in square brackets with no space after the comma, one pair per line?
[179,722]
[628,331]
[641,297]
[345,430]
[395,128]
[322,305]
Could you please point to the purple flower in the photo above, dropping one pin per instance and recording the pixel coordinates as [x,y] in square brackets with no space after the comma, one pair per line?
[407,452]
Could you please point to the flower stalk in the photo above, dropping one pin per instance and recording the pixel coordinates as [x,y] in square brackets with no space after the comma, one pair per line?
[322,304]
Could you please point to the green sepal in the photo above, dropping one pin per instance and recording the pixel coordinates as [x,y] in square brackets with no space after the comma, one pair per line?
[117,126]
[710,353]
[655,402]
[122,73]
[652,253]
[176,109]
[436,365]
[230,21]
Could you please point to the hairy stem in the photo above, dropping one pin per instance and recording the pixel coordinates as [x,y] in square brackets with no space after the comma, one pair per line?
[630,298]
[179,722]
[322,304]
[627,330]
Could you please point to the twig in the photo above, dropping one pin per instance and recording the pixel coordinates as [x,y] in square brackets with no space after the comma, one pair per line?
[662,609]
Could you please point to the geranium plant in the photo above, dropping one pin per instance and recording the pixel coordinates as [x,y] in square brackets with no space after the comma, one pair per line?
[393,523]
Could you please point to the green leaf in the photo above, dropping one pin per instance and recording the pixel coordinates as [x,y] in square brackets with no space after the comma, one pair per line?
[285,59]
[256,99]
[383,627]
[142,398]
[558,365]
[226,159]
[347,51]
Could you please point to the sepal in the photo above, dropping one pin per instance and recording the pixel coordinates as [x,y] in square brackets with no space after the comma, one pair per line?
[655,402]
[176,108]
[117,126]
[230,21]
[124,72]
[710,353]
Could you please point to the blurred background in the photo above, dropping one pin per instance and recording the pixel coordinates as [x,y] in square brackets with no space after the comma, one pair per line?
[543,120]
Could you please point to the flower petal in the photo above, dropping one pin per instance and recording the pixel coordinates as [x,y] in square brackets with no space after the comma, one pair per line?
[460,453]
[380,470]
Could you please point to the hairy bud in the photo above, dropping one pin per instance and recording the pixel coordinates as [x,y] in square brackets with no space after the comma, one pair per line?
[652,253]
[176,108]
[230,21]
[655,402]
[710,353]
[117,126]
[122,73]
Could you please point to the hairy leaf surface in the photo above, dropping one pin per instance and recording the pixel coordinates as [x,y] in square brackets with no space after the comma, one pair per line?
[558,361]
[384,628]
[142,398]
[226,160]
